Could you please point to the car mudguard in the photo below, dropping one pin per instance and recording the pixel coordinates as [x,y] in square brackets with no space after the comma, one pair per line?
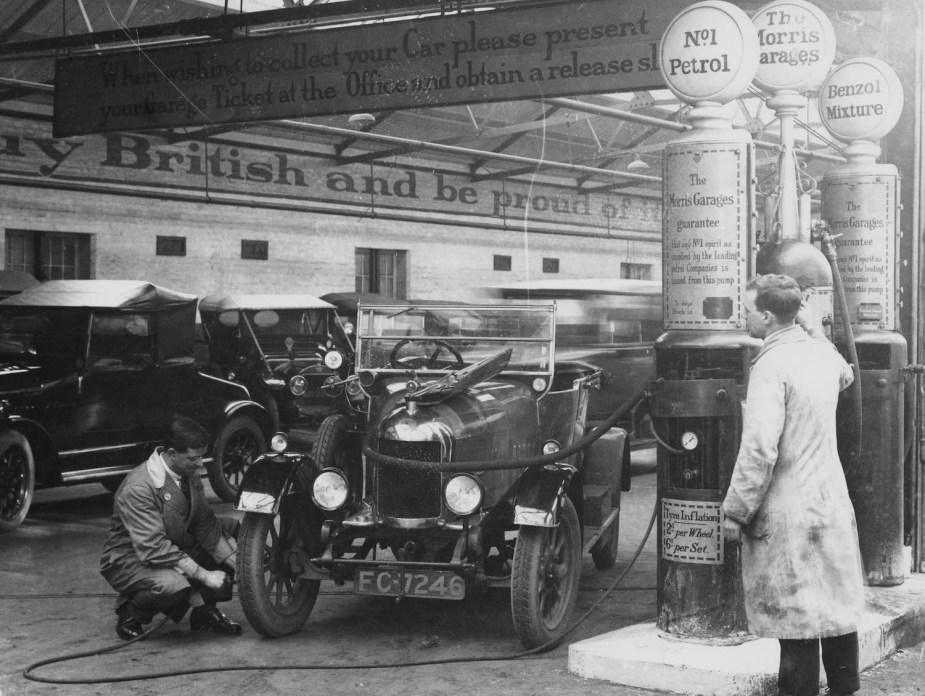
[536,500]
[269,479]
[607,462]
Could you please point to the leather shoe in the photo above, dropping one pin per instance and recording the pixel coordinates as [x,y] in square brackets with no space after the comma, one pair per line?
[209,618]
[129,627]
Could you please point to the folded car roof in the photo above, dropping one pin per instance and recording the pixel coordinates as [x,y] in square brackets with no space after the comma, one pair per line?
[224,303]
[137,295]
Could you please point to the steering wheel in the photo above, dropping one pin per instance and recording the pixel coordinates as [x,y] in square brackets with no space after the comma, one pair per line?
[424,362]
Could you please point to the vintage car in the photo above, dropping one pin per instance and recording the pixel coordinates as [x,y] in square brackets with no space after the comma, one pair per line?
[477,473]
[291,351]
[90,373]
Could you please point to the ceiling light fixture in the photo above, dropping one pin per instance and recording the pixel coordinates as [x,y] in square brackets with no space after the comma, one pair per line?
[360,121]
[637,165]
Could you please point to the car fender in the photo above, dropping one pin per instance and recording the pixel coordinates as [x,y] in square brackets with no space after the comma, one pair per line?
[607,462]
[539,491]
[252,409]
[269,479]
[43,447]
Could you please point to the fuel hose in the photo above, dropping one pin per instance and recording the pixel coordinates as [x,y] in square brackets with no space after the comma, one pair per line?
[494,465]
[854,391]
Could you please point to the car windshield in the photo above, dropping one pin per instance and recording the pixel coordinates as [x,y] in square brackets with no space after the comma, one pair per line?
[438,338]
[41,332]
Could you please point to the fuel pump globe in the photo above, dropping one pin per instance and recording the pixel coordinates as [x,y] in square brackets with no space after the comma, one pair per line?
[709,53]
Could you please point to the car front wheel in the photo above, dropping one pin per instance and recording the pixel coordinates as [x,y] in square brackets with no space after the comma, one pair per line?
[544,578]
[17,479]
[275,599]
[239,442]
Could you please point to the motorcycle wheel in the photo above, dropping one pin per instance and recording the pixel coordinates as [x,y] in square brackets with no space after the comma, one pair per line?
[17,479]
[239,442]
[604,551]
[544,578]
[275,600]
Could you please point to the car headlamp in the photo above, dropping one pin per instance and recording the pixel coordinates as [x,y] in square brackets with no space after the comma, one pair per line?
[551,447]
[333,359]
[329,491]
[279,443]
[463,494]
[539,384]
[298,385]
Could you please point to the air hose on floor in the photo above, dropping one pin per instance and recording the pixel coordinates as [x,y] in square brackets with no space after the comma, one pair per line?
[30,671]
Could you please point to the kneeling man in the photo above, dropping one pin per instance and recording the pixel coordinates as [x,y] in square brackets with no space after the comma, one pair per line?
[167,551]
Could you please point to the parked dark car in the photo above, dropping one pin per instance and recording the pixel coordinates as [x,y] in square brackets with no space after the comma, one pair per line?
[455,494]
[90,373]
[291,351]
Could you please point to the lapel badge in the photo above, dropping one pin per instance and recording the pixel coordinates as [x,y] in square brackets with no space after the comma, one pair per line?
[166,496]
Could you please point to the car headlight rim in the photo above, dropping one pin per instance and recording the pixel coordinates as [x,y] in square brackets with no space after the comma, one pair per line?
[279,443]
[463,494]
[330,490]
[298,385]
[333,359]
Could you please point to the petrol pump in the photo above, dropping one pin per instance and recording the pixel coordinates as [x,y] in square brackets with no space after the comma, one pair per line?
[859,103]
[702,359]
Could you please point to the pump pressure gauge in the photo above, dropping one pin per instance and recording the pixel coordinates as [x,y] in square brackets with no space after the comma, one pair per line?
[690,440]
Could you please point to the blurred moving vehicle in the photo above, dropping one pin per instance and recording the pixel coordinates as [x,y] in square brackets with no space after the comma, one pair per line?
[91,372]
[455,494]
[291,351]
[610,323]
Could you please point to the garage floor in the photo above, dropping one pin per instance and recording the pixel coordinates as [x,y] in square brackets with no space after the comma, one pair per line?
[53,602]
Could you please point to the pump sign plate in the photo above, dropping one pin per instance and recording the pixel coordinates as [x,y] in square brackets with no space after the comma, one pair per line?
[692,531]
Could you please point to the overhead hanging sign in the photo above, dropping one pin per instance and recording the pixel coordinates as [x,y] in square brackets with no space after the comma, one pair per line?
[523,53]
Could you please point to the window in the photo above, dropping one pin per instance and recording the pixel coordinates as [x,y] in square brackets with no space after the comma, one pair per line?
[502,262]
[636,271]
[382,271]
[48,255]
[550,265]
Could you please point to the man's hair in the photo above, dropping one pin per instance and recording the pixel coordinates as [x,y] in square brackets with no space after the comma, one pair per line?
[185,434]
[778,294]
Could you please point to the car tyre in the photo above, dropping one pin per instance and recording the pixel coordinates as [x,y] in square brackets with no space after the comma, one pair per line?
[239,442]
[604,551]
[17,479]
[329,449]
[275,600]
[544,578]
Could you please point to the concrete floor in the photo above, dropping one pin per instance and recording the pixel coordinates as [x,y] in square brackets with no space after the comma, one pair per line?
[53,602]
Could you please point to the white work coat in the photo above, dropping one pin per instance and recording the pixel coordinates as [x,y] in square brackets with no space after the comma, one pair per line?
[801,564]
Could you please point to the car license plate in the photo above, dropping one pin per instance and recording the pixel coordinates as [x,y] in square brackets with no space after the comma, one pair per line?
[439,584]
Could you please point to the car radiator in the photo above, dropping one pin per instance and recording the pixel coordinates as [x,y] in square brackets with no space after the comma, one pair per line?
[405,491]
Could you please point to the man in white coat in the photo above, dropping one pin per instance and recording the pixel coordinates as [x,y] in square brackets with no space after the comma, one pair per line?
[788,503]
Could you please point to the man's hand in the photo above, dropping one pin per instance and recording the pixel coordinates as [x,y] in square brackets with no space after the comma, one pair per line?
[213,579]
[732,530]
